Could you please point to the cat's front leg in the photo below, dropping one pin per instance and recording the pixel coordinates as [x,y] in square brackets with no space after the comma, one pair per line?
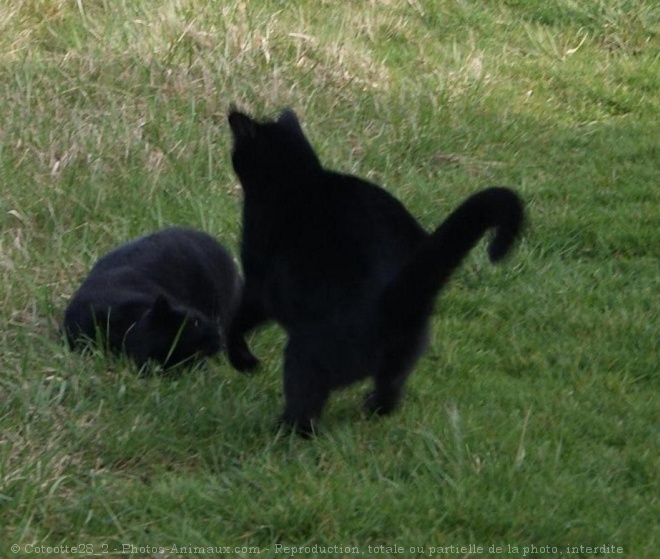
[249,315]
[240,356]
[305,390]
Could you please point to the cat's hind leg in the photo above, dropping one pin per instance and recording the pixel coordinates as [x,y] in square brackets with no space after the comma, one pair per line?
[398,361]
[386,395]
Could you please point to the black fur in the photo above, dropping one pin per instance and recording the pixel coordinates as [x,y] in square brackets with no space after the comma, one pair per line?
[343,267]
[167,297]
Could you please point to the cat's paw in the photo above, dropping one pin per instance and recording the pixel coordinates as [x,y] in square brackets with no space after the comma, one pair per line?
[376,405]
[305,427]
[245,363]
[241,359]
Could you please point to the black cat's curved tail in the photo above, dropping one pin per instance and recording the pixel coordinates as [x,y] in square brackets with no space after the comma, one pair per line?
[409,298]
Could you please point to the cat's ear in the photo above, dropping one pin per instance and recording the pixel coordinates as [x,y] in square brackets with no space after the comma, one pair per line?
[161,307]
[289,119]
[242,126]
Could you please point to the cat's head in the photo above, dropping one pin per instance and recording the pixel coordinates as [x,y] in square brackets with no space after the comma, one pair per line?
[265,151]
[170,335]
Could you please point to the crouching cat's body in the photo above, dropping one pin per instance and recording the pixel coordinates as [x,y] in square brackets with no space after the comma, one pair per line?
[167,297]
[343,267]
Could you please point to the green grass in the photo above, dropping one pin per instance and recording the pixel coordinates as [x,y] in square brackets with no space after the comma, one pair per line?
[533,418]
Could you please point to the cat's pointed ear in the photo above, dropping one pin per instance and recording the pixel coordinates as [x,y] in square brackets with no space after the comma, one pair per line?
[161,307]
[289,119]
[242,126]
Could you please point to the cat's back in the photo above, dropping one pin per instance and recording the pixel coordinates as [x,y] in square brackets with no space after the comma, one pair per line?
[198,247]
[334,249]
[187,264]
[387,216]
[357,227]
[200,270]
[156,255]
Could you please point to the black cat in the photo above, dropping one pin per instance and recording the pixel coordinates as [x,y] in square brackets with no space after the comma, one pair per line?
[167,297]
[343,267]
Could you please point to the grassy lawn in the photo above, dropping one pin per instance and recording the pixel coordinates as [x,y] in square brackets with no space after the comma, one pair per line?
[530,427]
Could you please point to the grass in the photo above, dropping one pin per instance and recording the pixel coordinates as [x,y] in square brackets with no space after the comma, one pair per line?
[530,425]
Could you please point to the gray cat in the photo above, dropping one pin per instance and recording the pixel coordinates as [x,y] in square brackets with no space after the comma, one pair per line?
[167,297]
